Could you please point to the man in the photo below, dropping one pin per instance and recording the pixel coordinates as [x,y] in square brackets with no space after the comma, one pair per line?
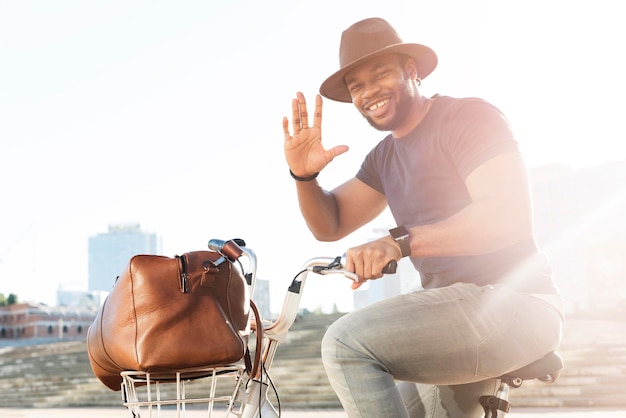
[452,175]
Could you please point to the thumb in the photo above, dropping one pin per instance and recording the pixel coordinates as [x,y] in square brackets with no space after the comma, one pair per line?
[336,151]
[356,285]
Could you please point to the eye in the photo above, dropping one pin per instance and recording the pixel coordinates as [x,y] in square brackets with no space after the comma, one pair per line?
[382,74]
[354,88]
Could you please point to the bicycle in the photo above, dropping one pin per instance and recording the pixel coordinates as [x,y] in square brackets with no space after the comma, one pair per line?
[249,396]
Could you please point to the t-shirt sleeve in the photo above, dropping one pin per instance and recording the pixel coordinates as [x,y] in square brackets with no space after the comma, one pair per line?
[467,133]
[479,132]
[369,172]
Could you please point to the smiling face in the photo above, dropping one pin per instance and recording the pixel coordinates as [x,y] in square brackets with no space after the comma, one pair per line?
[384,90]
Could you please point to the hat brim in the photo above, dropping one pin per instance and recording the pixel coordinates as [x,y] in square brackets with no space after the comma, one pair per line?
[334,87]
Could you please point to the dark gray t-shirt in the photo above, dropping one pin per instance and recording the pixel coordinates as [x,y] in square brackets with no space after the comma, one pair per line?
[423,177]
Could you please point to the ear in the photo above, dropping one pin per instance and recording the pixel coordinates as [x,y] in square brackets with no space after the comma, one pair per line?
[410,69]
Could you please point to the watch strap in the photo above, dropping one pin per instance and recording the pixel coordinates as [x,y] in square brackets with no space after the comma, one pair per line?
[402,236]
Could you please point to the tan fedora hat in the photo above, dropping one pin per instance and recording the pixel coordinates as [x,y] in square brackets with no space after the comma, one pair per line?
[367,39]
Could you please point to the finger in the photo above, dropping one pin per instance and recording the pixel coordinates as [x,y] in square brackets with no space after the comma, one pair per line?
[349,264]
[286,129]
[317,117]
[368,274]
[304,116]
[360,269]
[295,112]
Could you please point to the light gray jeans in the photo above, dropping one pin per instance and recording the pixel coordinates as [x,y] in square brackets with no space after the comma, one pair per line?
[450,343]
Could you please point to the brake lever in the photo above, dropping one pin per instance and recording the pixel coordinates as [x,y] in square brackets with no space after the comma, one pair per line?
[336,267]
[350,275]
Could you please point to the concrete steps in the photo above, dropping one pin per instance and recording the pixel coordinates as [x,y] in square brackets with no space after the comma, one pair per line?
[59,375]
[594,353]
[45,375]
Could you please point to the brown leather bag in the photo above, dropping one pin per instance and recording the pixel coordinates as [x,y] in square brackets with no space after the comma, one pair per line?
[172,313]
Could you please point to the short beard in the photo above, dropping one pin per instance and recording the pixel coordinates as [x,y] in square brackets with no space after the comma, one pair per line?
[402,112]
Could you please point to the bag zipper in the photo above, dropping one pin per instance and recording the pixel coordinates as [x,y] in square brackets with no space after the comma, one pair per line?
[183,274]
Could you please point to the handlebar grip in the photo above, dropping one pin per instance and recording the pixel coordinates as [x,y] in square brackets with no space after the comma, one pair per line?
[218,244]
[391,267]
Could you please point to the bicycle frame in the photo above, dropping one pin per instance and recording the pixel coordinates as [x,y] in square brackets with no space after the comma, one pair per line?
[249,398]
[254,400]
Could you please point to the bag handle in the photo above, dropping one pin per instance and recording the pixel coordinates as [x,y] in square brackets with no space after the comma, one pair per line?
[231,251]
[253,369]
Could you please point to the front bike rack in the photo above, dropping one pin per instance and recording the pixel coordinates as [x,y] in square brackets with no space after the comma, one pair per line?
[171,394]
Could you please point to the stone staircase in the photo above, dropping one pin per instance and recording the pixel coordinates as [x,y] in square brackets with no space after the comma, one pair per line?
[48,375]
[297,372]
[59,375]
[594,353]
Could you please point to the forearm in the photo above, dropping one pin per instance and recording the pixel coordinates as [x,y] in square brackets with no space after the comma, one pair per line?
[482,227]
[499,215]
[319,210]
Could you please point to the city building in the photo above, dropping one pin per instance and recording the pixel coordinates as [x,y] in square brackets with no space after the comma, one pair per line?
[80,298]
[30,321]
[110,252]
[261,297]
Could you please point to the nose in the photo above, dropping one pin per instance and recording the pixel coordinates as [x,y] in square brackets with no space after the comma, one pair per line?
[370,90]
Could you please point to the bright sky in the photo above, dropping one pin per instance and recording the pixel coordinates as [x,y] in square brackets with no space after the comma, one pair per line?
[169,113]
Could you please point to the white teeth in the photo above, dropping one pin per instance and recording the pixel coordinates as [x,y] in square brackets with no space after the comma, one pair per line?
[379,104]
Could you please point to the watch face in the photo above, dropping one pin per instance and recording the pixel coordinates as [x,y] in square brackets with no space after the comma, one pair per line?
[399,233]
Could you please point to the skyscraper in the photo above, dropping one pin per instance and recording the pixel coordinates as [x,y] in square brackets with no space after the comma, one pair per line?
[110,252]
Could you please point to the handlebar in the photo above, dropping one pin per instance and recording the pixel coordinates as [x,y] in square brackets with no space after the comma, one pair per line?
[318,265]
[233,249]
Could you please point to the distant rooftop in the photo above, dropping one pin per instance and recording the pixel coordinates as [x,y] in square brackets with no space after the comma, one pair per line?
[124,227]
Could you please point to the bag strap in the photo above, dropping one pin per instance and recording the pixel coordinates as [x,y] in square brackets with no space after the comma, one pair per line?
[253,368]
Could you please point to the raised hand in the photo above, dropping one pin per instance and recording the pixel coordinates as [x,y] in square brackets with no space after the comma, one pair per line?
[304,151]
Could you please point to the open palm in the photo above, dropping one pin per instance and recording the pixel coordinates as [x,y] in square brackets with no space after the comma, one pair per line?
[304,150]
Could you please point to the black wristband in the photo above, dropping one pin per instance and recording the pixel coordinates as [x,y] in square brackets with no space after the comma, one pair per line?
[402,236]
[310,178]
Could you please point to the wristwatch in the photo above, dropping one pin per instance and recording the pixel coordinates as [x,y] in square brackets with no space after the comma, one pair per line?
[401,235]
